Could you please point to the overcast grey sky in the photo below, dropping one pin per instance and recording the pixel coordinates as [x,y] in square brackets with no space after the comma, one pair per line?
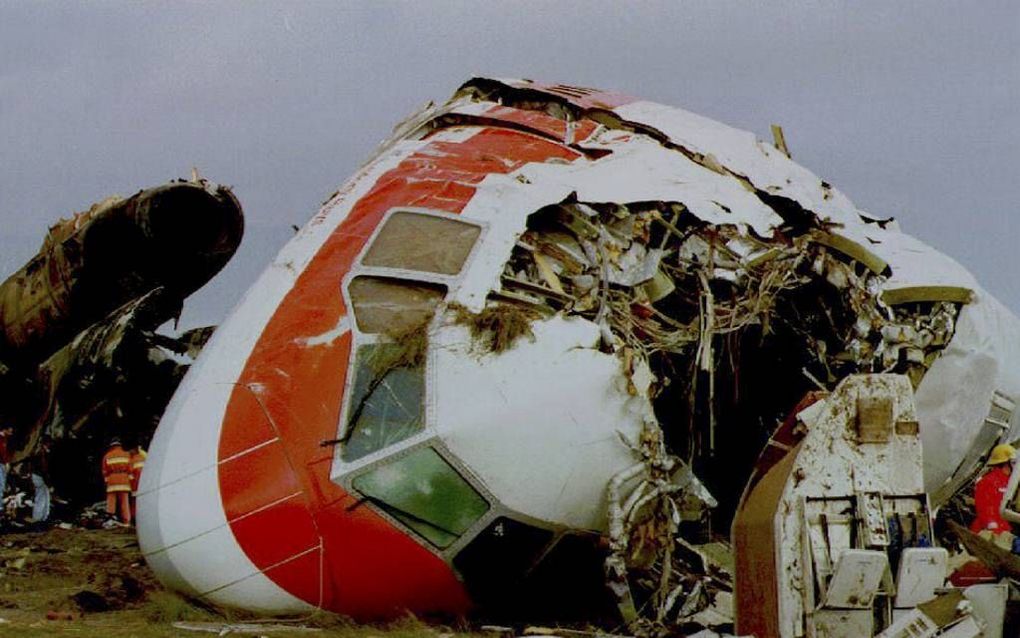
[910,108]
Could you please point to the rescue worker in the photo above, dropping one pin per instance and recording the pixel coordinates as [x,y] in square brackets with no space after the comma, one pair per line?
[138,456]
[117,474]
[989,492]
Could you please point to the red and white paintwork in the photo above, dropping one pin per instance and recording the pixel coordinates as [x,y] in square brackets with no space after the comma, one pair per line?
[237,504]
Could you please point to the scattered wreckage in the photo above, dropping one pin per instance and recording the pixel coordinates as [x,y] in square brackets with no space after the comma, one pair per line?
[78,340]
[550,338]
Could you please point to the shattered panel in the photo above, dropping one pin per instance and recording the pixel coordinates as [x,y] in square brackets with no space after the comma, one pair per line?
[723,330]
[388,405]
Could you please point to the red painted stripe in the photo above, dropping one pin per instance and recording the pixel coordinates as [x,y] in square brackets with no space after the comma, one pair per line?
[256,432]
[371,568]
[247,486]
[296,532]
[543,123]
[300,576]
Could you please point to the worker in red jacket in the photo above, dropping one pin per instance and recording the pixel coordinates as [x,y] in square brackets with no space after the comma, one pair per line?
[990,489]
[117,474]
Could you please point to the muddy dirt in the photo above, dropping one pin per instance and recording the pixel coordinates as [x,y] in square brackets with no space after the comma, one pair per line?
[94,583]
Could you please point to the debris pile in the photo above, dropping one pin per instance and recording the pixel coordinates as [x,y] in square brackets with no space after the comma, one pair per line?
[78,324]
[698,315]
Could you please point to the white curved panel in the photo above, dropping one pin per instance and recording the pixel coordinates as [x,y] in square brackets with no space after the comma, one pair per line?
[955,396]
[744,154]
[165,522]
[538,424]
[206,566]
[259,594]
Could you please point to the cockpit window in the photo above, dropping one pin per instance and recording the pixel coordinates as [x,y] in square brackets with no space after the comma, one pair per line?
[386,403]
[426,494]
[386,305]
[427,243]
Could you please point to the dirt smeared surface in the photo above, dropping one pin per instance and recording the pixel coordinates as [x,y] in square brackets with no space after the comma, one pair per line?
[94,583]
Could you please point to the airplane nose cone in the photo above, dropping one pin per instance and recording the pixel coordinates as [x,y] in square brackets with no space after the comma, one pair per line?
[183,528]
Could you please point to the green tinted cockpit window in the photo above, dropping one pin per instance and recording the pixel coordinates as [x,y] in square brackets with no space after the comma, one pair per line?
[424,492]
[386,403]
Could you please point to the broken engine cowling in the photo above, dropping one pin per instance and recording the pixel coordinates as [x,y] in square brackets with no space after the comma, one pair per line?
[175,236]
[78,343]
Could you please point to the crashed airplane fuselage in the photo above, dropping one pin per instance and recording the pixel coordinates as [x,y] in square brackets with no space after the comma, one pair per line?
[532,293]
[78,342]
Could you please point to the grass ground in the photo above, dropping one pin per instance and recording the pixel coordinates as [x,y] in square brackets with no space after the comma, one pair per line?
[94,583]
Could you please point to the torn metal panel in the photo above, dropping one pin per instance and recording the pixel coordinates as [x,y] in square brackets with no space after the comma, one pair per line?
[828,508]
[78,323]
[638,269]
[913,262]
[642,170]
[558,127]
[176,236]
[768,169]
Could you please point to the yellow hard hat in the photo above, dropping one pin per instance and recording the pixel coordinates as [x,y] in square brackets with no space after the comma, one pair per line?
[1002,453]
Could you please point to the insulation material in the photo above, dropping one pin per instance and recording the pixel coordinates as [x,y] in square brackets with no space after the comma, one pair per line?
[730,304]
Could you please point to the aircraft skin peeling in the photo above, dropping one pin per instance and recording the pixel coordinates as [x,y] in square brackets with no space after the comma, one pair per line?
[342,327]
[686,286]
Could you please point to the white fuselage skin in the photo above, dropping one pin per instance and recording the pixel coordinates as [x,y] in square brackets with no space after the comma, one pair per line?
[559,378]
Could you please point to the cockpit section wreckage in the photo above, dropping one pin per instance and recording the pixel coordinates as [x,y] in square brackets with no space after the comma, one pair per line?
[545,352]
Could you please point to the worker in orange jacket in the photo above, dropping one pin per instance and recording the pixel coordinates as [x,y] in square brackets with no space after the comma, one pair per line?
[117,474]
[138,456]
